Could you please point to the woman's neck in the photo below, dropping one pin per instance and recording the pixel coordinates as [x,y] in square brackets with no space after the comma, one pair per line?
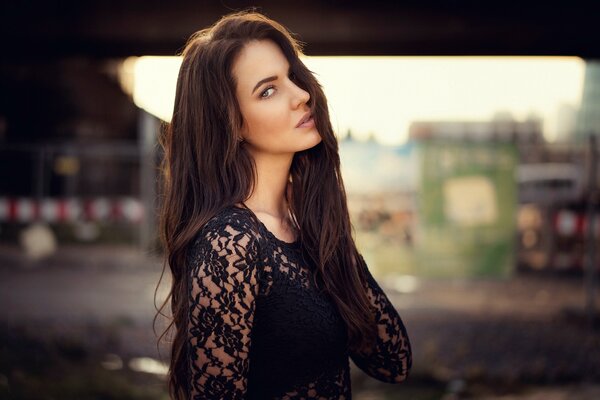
[269,195]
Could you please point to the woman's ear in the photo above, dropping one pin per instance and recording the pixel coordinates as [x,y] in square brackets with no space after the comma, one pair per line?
[240,134]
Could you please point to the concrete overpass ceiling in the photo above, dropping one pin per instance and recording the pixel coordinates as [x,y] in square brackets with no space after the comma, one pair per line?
[109,29]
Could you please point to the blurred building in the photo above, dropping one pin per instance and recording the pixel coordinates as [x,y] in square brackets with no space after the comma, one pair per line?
[588,119]
[526,135]
[565,122]
[550,181]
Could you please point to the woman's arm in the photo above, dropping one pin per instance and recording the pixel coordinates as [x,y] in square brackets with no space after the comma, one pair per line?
[223,288]
[391,359]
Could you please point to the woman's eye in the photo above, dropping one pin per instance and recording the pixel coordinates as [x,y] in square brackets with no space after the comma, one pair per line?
[267,92]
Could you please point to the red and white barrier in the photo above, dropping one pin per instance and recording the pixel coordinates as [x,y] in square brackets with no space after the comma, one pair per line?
[569,223]
[51,210]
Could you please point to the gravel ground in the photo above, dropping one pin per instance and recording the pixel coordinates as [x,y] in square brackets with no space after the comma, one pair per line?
[519,338]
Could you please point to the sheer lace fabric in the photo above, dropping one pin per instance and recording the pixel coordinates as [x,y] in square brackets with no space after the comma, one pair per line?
[259,328]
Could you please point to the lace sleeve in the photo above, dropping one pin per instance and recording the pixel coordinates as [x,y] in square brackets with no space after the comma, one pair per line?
[392,357]
[222,287]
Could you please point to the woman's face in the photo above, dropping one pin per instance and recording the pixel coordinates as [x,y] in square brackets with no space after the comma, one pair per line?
[273,108]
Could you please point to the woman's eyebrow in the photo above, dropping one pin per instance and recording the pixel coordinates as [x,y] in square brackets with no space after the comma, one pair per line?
[269,79]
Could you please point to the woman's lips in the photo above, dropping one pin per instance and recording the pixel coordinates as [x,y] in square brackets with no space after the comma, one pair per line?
[307,124]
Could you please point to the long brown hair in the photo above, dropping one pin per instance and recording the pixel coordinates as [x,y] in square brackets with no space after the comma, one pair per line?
[206,168]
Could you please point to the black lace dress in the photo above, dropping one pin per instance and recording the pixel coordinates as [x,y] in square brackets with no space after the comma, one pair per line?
[260,329]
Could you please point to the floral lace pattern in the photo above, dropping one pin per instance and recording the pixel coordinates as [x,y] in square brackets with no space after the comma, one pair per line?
[260,329]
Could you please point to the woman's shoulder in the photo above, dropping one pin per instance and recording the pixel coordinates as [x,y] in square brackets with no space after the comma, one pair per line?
[227,237]
[232,216]
[231,222]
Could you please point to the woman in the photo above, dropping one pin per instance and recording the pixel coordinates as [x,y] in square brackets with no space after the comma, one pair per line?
[269,295]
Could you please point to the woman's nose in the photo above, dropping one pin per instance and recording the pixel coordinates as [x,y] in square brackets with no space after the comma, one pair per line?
[301,96]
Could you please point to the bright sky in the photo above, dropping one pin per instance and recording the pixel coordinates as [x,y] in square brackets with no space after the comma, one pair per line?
[382,95]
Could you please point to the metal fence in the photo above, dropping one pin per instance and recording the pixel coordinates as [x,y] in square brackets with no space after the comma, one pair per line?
[78,181]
